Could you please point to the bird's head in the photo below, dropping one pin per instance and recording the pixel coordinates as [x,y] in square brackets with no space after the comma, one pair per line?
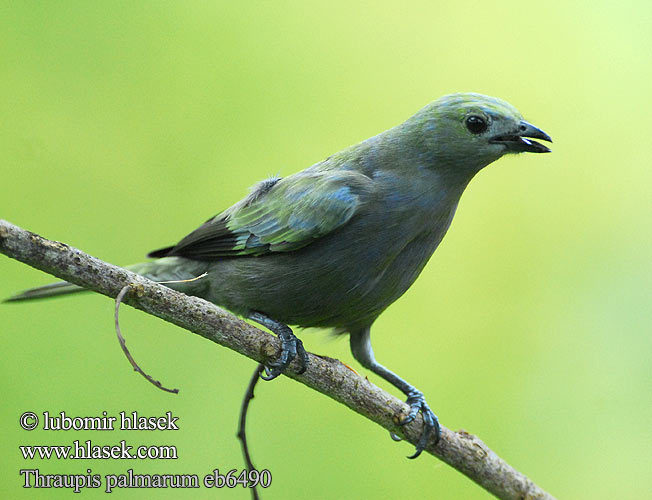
[469,131]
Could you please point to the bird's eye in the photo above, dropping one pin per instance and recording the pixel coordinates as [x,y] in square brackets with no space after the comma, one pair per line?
[476,124]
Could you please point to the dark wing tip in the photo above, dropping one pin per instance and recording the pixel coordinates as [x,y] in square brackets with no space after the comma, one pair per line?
[163,252]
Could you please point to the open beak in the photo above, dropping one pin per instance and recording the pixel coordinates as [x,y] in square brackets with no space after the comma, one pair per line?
[520,141]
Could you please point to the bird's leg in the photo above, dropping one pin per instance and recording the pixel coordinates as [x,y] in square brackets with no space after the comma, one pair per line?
[291,346]
[362,351]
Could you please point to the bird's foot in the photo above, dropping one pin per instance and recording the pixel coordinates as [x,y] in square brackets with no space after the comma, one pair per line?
[430,422]
[291,347]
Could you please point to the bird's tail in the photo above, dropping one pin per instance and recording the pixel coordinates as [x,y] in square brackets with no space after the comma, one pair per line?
[42,292]
[167,269]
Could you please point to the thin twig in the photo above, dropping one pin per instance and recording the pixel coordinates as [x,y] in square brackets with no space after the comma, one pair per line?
[461,450]
[242,433]
[123,344]
[203,275]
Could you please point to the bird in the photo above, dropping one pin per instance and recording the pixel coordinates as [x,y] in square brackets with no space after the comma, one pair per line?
[335,244]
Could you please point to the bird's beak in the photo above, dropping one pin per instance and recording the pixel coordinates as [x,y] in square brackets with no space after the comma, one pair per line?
[518,141]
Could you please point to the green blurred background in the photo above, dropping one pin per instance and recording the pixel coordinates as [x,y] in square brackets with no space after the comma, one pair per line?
[124,125]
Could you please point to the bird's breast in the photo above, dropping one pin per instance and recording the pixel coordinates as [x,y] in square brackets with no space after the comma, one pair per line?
[391,252]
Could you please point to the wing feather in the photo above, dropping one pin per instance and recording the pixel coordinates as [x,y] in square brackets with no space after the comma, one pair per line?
[279,215]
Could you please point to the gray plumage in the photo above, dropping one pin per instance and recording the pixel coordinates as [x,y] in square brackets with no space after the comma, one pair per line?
[335,244]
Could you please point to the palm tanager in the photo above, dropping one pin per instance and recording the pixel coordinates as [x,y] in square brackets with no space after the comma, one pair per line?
[334,245]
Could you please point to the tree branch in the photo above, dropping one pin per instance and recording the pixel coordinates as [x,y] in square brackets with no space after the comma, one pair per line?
[463,451]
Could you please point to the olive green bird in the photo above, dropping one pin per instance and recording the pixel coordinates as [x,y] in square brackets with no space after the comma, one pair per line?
[334,245]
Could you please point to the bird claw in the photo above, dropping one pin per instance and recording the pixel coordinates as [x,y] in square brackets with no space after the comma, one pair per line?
[430,422]
[395,437]
[291,347]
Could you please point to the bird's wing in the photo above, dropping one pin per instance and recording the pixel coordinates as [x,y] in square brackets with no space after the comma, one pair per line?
[279,215]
